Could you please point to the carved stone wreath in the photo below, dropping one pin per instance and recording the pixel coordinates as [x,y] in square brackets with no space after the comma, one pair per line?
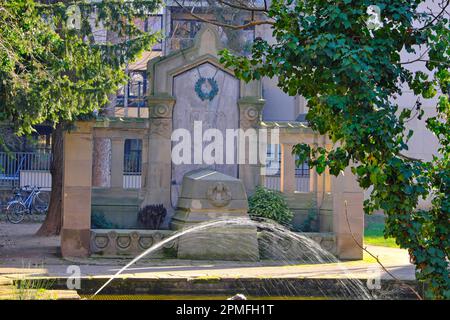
[206,95]
[219,194]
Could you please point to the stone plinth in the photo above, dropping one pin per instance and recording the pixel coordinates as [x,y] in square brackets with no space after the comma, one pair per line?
[208,195]
[277,247]
[125,242]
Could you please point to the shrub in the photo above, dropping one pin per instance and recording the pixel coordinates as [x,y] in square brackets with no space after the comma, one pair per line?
[310,223]
[269,204]
[99,221]
[152,216]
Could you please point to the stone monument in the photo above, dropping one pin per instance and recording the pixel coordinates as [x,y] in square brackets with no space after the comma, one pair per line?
[208,195]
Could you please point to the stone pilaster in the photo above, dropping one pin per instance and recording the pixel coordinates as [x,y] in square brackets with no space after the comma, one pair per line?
[158,176]
[287,170]
[117,156]
[77,185]
[250,109]
[348,220]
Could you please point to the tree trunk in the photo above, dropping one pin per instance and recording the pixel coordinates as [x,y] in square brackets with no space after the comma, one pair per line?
[53,221]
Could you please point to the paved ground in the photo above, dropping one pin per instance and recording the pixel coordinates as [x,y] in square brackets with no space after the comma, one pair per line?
[21,253]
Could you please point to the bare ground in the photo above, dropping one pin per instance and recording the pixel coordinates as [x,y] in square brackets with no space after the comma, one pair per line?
[17,241]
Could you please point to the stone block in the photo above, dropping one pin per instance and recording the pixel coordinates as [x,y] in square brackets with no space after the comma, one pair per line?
[124,242]
[326,221]
[235,243]
[75,242]
[347,222]
[346,248]
[77,208]
[285,248]
[206,196]
[77,175]
[196,185]
[78,146]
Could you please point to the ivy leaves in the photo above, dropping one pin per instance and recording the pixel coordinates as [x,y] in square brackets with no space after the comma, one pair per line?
[351,76]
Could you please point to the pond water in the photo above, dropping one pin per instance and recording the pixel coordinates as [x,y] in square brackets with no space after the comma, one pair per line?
[190,297]
[302,250]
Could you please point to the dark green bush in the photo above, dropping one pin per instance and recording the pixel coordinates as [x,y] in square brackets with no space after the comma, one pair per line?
[99,221]
[269,204]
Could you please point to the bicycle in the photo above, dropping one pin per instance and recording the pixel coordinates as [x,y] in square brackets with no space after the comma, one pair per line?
[26,200]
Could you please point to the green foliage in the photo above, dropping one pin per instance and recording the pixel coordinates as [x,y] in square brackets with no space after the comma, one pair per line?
[99,221]
[269,204]
[50,72]
[310,223]
[351,77]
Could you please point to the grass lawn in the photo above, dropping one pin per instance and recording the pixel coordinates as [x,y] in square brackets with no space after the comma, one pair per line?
[373,235]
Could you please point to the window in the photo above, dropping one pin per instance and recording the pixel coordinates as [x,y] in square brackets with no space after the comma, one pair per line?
[136,85]
[132,156]
[182,33]
[137,88]
[132,166]
[154,24]
[273,160]
[151,24]
[301,170]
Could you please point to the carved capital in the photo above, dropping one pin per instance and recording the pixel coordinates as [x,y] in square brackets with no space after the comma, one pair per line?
[161,106]
[250,112]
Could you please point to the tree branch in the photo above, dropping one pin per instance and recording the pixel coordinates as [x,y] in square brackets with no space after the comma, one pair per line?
[436,17]
[242,7]
[225,25]
[377,259]
[416,60]
[401,155]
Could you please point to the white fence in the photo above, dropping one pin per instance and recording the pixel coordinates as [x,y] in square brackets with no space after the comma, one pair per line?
[25,168]
[132,181]
[42,179]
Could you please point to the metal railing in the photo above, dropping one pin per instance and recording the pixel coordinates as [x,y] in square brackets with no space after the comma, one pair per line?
[272,179]
[25,168]
[132,171]
[274,183]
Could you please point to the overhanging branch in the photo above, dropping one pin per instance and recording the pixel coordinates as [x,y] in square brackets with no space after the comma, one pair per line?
[225,25]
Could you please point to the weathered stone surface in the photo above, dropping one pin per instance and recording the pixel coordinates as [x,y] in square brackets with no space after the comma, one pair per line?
[282,248]
[75,242]
[208,195]
[174,104]
[77,185]
[235,243]
[220,113]
[124,242]
[119,206]
[348,214]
